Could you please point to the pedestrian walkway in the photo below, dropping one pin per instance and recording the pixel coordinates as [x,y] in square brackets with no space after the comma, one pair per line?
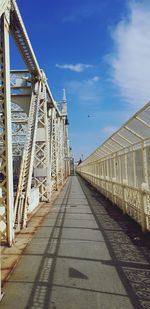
[81,258]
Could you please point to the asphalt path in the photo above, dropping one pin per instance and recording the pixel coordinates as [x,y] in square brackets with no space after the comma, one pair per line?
[85,255]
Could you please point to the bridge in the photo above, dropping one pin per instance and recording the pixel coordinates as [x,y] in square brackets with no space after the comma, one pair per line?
[69,239]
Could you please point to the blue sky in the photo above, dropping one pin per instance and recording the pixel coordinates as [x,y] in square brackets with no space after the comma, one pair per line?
[99,51]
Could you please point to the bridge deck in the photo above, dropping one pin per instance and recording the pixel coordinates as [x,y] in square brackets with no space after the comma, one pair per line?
[85,255]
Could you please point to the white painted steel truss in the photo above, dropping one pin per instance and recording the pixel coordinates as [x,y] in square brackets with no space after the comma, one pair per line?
[33,129]
[120,167]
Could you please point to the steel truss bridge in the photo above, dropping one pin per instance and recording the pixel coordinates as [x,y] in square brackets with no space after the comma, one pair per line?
[34,141]
[34,144]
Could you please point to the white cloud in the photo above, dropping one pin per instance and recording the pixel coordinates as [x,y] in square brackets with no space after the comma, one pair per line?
[93,80]
[78,67]
[86,91]
[131,60]
[96,78]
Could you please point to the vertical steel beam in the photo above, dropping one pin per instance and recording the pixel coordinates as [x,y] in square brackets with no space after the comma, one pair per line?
[126,165]
[50,129]
[66,150]
[6,184]
[145,167]
[144,186]
[59,151]
[25,177]
[54,150]
[134,166]
[42,150]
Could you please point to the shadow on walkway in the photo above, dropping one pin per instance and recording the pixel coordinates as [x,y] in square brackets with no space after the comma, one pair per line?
[85,255]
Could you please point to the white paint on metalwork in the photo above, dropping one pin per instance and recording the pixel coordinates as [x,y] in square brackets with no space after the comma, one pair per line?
[42,158]
[120,168]
[33,130]
[33,199]
[4,4]
[6,135]
[25,177]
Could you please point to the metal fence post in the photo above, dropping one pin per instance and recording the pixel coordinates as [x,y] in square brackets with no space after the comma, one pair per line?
[144,188]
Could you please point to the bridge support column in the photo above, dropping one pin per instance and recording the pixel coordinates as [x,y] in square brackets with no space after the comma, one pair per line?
[42,150]
[66,150]
[6,181]
[54,149]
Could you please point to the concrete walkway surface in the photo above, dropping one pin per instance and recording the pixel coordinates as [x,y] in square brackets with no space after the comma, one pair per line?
[77,259]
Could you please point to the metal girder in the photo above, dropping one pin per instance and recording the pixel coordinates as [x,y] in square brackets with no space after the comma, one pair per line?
[25,177]
[21,95]
[54,150]
[4,4]
[39,140]
[46,148]
[60,151]
[6,181]
[22,40]
[42,149]
[66,149]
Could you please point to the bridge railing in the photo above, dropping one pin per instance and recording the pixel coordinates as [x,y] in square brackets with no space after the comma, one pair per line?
[120,168]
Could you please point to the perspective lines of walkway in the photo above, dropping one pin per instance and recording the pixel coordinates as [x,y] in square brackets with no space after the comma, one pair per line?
[81,258]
